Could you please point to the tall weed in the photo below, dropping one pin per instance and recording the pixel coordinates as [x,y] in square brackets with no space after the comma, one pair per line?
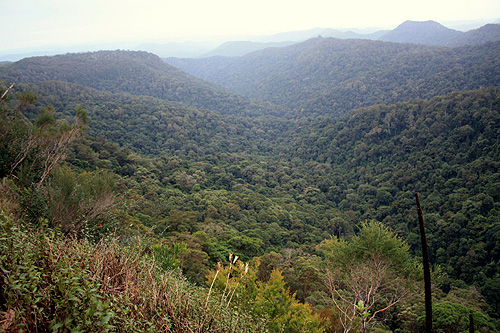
[50,282]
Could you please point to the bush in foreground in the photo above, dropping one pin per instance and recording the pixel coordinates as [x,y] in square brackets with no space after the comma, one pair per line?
[52,283]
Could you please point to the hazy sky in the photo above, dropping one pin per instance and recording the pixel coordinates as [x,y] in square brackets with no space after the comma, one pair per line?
[35,23]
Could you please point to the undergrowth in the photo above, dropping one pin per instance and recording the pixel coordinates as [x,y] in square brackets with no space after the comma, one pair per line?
[50,282]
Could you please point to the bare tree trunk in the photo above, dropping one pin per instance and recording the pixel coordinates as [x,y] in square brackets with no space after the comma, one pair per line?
[427,269]
[471,323]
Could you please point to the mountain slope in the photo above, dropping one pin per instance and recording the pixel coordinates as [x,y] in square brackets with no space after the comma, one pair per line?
[137,73]
[154,126]
[447,149]
[239,48]
[327,76]
[486,33]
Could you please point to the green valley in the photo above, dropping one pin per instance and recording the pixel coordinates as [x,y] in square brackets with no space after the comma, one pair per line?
[302,161]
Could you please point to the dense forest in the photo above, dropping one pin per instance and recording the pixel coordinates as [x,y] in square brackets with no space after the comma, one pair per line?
[328,76]
[291,208]
[137,73]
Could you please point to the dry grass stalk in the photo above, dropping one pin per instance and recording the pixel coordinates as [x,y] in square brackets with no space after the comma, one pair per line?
[213,281]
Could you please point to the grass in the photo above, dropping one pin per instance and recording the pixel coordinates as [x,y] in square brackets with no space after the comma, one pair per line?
[50,282]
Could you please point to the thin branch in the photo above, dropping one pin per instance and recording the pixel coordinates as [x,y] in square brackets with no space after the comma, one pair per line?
[8,89]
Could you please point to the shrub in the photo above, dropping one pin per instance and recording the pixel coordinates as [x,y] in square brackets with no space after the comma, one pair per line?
[52,282]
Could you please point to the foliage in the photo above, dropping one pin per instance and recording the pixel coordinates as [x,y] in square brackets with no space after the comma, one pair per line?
[237,285]
[45,284]
[44,145]
[300,270]
[166,257]
[368,274]
[453,317]
[320,178]
[420,146]
[256,180]
[33,153]
[54,283]
[287,314]
[329,76]
[84,200]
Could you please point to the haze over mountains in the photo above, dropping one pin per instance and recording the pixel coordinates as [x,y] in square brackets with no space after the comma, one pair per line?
[426,33]
[328,76]
[466,33]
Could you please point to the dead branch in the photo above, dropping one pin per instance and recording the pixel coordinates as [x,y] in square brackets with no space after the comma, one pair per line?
[8,89]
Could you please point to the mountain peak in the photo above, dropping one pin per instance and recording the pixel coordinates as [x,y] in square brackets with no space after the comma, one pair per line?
[421,32]
[428,23]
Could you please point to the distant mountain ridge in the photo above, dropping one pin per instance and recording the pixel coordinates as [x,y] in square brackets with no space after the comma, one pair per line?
[240,48]
[486,33]
[434,33]
[321,76]
[329,76]
[408,32]
[413,32]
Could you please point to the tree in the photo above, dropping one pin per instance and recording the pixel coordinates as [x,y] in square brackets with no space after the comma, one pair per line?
[286,313]
[237,286]
[368,275]
[55,140]
[453,317]
[85,200]
[45,144]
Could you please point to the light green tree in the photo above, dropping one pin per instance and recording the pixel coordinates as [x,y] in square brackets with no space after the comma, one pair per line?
[286,313]
[368,275]
[237,286]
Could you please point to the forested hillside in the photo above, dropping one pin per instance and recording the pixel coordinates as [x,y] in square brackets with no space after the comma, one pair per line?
[138,73]
[194,182]
[327,76]
[447,149]
[488,32]
[157,126]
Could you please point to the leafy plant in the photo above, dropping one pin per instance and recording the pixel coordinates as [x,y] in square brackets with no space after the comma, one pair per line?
[368,275]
